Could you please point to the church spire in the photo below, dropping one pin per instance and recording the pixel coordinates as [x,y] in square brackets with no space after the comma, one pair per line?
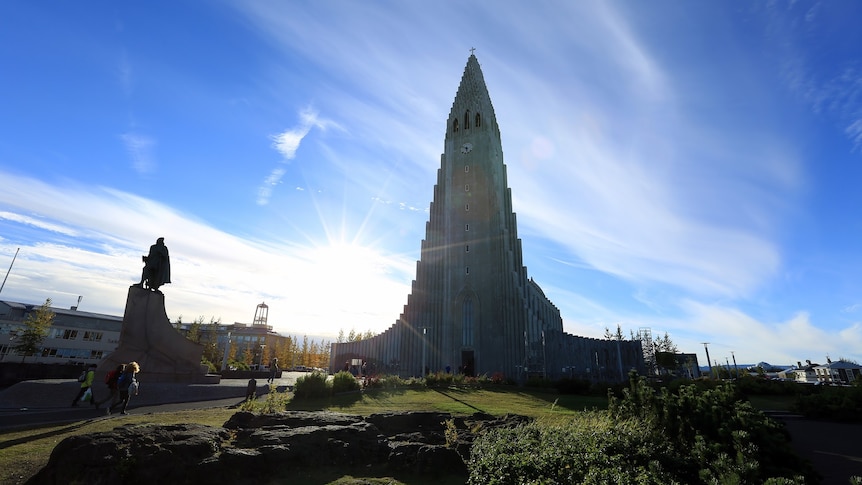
[472,107]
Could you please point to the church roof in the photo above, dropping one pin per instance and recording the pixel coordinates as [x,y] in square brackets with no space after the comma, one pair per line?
[473,94]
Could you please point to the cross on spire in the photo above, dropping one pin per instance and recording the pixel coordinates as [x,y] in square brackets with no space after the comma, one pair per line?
[472,50]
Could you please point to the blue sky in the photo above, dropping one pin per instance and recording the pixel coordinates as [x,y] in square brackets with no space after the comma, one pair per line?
[693,168]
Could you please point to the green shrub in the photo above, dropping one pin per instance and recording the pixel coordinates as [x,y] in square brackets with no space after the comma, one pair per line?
[439,379]
[384,381]
[310,386]
[344,382]
[592,449]
[233,364]
[275,401]
[727,439]
[834,403]
[211,368]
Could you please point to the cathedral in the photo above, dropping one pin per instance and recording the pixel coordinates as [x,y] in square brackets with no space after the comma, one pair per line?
[472,308]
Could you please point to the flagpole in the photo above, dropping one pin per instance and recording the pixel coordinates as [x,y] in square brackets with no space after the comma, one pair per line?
[10,269]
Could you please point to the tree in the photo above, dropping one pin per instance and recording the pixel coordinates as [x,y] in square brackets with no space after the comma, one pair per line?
[665,353]
[35,330]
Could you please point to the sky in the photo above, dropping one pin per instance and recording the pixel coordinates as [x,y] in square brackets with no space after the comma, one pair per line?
[690,168]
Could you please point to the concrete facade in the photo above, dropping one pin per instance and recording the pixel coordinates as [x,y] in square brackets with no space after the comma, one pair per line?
[76,337]
[472,307]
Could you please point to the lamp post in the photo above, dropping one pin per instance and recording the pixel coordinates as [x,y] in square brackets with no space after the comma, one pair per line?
[260,359]
[424,332]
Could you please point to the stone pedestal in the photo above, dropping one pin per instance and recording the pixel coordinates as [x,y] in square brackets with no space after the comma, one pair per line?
[148,338]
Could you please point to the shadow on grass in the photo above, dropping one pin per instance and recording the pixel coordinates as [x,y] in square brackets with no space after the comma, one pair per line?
[572,402]
[46,434]
[449,393]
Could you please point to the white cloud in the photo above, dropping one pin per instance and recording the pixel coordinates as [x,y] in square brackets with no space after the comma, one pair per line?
[315,289]
[140,148]
[287,143]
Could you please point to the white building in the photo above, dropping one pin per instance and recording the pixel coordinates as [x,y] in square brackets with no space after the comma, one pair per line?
[841,372]
[75,337]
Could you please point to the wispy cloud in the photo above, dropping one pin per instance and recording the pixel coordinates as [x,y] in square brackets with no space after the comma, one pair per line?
[287,143]
[214,273]
[37,223]
[140,148]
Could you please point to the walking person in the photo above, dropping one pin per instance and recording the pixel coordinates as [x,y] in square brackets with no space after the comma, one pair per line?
[251,390]
[273,370]
[111,380]
[89,376]
[126,384]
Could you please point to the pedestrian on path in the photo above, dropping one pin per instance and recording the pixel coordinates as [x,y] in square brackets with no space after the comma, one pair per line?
[88,376]
[127,384]
[251,390]
[111,379]
[273,370]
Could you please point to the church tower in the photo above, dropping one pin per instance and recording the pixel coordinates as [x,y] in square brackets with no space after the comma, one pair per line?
[472,307]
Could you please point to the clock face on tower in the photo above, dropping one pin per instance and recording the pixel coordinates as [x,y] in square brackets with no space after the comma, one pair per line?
[465,148]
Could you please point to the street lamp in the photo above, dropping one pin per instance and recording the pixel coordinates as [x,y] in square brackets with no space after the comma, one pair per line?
[260,359]
[424,331]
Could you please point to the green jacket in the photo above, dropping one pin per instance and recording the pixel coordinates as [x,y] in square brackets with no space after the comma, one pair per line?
[88,381]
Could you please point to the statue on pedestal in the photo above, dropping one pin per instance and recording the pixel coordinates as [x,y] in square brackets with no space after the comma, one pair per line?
[157,266]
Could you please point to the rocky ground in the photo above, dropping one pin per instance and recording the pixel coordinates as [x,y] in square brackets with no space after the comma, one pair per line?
[252,448]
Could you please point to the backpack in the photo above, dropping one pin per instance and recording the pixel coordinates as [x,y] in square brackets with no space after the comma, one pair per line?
[111,378]
[83,376]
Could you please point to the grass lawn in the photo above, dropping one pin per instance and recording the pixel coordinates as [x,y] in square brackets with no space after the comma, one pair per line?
[24,452]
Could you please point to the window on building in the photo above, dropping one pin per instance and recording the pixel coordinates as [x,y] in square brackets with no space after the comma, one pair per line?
[455,125]
[467,120]
[93,336]
[466,169]
[467,270]
[70,334]
[478,120]
[466,227]
[467,207]
[467,249]
[466,187]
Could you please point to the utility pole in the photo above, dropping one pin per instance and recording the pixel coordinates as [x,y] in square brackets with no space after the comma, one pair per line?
[735,369]
[707,358]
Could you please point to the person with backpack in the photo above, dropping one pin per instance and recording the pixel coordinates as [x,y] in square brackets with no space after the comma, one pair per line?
[111,379]
[126,384]
[86,379]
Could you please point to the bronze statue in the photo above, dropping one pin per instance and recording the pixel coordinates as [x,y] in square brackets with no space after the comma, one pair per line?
[157,266]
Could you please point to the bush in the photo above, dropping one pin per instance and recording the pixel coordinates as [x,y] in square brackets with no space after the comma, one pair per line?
[311,386]
[439,379]
[594,448]
[211,368]
[344,382]
[723,438]
[834,403]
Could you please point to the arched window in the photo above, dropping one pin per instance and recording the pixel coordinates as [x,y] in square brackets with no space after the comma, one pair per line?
[478,121]
[466,169]
[466,187]
[467,120]
[455,125]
